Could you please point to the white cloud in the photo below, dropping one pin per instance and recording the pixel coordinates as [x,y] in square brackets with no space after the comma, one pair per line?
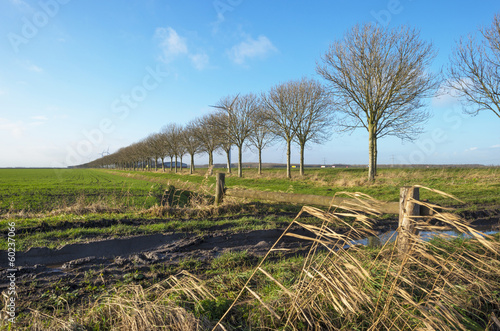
[35,68]
[495,146]
[28,65]
[15,129]
[251,48]
[39,118]
[216,24]
[173,45]
[200,60]
[471,149]
[445,97]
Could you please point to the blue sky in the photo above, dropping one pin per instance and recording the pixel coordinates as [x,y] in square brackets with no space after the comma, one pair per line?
[80,77]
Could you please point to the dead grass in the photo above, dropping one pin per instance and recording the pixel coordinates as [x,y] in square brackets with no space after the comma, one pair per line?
[134,308]
[437,285]
[440,284]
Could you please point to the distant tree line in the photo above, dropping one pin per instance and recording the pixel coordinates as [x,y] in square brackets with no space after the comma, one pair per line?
[377,80]
[294,111]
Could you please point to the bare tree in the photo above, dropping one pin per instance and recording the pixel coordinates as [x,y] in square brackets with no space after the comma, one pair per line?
[222,120]
[314,118]
[207,135]
[181,147]
[169,134]
[191,143]
[239,111]
[155,144]
[280,105]
[379,78]
[474,71]
[262,136]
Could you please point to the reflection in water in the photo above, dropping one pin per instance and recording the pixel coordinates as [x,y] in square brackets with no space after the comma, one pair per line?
[374,241]
[390,236]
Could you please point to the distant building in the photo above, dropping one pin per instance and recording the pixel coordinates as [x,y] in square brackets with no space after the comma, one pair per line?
[167,165]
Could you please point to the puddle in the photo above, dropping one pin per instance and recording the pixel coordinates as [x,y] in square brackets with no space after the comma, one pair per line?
[390,236]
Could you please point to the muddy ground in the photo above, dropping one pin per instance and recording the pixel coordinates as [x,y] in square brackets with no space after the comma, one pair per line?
[79,271]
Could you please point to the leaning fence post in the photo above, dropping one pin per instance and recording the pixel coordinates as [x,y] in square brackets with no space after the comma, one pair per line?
[408,210]
[219,187]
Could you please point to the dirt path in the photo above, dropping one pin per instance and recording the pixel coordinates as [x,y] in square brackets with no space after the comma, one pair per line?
[165,246]
[45,264]
[119,256]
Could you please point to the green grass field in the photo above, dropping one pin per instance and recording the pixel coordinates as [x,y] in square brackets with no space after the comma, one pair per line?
[39,190]
[57,198]
[474,186]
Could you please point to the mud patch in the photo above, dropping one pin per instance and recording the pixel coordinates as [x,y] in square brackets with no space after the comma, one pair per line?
[100,249]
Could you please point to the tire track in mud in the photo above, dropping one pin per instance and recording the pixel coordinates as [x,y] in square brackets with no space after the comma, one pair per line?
[165,246]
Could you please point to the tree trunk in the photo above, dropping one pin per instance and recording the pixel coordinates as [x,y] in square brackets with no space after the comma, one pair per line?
[260,161]
[302,146]
[210,162]
[163,163]
[228,156]
[372,150]
[191,167]
[171,158]
[181,163]
[175,166]
[288,154]
[156,163]
[240,163]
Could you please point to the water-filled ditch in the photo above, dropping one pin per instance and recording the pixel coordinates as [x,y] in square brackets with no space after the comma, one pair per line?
[390,236]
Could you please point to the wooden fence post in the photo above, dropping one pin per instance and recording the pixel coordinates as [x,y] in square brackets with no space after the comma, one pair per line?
[408,210]
[219,187]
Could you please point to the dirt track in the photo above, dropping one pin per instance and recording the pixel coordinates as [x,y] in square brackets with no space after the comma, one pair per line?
[118,256]
[104,262]
[162,246]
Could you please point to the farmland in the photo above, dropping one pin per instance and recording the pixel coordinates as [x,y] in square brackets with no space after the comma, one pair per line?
[149,242]
[38,190]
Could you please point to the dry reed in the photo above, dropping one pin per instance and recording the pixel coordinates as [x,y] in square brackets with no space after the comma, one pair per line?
[437,285]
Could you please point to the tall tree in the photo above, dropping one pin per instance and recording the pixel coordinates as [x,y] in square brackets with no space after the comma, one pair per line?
[474,70]
[262,136]
[239,120]
[208,136]
[169,134]
[280,104]
[191,143]
[315,116]
[226,143]
[379,78]
[181,145]
[155,143]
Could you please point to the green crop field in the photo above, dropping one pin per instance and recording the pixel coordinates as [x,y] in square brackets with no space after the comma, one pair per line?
[38,190]
[474,186]
[87,196]
[219,252]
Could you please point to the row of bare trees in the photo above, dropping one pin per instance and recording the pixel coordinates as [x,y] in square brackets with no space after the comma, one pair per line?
[295,111]
[378,79]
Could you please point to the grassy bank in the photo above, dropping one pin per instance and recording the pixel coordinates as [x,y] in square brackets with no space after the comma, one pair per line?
[474,186]
[441,284]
